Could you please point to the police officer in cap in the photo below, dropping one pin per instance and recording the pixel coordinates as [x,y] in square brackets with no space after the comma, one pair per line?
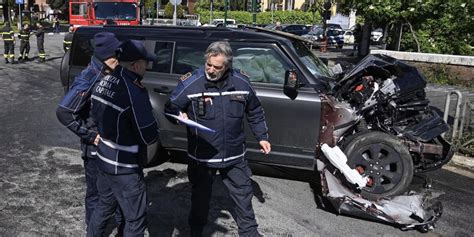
[74,112]
[219,98]
[122,110]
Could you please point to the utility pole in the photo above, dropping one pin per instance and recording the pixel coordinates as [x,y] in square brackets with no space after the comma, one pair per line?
[254,12]
[226,2]
[211,11]
[19,2]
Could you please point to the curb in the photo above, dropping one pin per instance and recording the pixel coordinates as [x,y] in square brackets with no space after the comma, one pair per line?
[463,161]
[462,165]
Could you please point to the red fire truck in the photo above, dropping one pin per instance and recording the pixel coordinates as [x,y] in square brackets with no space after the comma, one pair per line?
[100,12]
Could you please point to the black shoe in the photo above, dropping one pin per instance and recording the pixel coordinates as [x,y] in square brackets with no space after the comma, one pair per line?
[14,62]
[26,58]
[6,61]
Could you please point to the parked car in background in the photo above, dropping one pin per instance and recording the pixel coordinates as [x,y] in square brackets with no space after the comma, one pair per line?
[376,36]
[348,36]
[295,29]
[316,34]
[335,37]
[231,23]
[333,26]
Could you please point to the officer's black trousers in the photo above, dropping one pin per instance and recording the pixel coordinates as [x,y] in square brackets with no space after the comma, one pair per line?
[24,48]
[127,191]
[237,180]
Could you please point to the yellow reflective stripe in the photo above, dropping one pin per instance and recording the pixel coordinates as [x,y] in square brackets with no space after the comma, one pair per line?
[8,39]
[67,42]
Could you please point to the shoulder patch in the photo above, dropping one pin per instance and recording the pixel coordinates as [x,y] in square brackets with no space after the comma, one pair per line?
[243,73]
[185,76]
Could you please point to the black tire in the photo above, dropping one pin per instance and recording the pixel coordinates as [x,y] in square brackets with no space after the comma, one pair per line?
[384,159]
[64,71]
[156,155]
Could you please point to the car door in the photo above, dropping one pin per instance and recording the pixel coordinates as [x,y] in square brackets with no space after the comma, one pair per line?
[175,58]
[291,123]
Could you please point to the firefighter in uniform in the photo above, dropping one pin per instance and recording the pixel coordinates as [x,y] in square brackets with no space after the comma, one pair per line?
[122,110]
[40,42]
[24,37]
[67,42]
[74,113]
[9,43]
[219,98]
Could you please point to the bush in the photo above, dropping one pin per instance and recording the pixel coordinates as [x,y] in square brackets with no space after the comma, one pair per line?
[285,17]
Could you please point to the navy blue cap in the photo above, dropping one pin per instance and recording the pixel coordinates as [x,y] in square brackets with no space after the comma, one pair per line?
[105,45]
[133,50]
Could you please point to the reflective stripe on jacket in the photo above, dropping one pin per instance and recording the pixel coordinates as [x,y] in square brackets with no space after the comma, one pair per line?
[122,110]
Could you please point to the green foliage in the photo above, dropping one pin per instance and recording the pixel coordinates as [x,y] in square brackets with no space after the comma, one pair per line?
[169,10]
[441,74]
[285,17]
[440,26]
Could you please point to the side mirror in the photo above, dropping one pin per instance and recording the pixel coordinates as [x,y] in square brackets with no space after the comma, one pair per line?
[292,83]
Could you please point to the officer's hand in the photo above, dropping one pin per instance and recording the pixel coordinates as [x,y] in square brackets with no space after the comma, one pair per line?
[266,146]
[183,115]
[97,139]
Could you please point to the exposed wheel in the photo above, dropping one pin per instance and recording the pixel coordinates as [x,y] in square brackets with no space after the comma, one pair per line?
[384,159]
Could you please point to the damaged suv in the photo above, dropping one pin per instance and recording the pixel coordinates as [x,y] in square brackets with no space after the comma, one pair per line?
[377,112]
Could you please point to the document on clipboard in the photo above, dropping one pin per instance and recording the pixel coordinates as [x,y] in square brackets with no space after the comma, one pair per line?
[191,123]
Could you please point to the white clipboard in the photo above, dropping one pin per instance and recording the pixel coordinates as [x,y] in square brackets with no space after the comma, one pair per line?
[191,123]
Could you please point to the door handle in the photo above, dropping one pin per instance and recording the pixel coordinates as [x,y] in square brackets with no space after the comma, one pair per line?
[162,90]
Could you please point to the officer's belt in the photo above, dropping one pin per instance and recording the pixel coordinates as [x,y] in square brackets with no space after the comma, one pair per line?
[218,159]
[218,94]
[111,144]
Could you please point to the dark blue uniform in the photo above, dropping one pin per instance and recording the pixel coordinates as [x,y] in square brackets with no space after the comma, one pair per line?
[222,107]
[123,113]
[74,113]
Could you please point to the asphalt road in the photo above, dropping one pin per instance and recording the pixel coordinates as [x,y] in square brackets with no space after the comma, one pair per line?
[42,183]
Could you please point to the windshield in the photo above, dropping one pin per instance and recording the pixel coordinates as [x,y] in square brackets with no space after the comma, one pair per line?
[115,11]
[312,63]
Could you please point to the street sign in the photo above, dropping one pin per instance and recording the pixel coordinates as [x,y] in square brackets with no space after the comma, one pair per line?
[19,1]
[175,2]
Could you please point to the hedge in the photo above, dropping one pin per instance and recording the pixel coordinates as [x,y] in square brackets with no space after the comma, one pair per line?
[285,17]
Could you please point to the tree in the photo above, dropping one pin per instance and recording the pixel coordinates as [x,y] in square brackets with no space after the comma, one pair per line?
[169,10]
[436,26]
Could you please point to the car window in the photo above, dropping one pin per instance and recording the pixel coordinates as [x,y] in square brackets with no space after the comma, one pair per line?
[312,63]
[83,48]
[189,56]
[261,64]
[79,9]
[164,53]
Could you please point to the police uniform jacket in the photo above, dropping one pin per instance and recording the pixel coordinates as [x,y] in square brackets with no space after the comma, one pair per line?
[74,110]
[221,107]
[122,110]
[8,34]
[24,35]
